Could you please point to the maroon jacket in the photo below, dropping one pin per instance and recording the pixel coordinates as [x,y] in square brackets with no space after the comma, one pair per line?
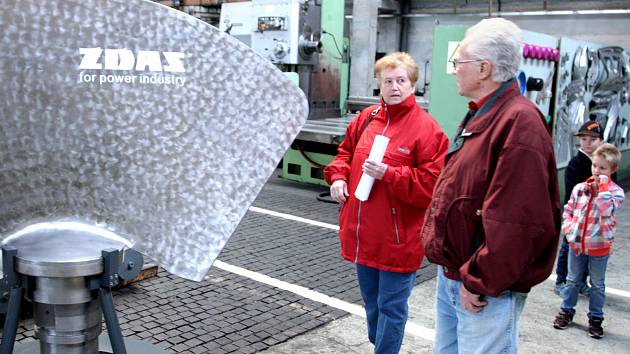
[384,231]
[495,218]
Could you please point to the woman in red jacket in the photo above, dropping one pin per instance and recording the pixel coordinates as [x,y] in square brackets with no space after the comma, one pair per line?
[382,234]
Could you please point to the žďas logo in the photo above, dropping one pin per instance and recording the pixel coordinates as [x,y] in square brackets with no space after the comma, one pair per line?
[148,66]
[124,59]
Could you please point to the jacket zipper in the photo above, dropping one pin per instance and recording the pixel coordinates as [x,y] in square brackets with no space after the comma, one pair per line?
[396,225]
[393,209]
[588,212]
[386,125]
[356,256]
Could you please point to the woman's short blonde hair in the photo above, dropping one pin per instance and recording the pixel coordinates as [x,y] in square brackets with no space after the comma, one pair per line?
[610,153]
[395,60]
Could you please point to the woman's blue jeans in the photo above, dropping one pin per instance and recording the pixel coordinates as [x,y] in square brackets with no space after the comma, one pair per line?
[492,330]
[596,266]
[385,296]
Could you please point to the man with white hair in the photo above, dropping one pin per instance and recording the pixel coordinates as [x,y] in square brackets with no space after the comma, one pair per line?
[494,220]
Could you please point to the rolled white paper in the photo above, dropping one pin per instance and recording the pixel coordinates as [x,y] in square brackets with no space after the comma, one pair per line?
[376,154]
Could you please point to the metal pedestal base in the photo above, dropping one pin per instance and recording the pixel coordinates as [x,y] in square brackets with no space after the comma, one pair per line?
[132,345]
[67,273]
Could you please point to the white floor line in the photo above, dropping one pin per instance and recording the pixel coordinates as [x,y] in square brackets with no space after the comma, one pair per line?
[609,290]
[410,328]
[294,218]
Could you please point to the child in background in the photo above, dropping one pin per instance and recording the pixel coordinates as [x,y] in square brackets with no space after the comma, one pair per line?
[589,227]
[591,136]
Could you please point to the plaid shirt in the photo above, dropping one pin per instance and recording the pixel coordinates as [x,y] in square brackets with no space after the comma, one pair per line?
[589,221]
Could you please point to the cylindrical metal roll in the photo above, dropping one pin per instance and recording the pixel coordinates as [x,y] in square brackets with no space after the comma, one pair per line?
[68,329]
[61,291]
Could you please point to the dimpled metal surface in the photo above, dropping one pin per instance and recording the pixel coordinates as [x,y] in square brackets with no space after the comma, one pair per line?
[173,166]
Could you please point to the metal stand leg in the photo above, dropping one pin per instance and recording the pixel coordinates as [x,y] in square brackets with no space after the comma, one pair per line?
[12,282]
[12,320]
[111,320]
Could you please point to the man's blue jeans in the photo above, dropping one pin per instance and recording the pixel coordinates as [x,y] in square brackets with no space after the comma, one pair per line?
[493,330]
[596,266]
[385,296]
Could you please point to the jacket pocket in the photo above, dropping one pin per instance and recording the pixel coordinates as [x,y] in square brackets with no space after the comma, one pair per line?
[348,223]
[398,227]
[463,229]
[397,159]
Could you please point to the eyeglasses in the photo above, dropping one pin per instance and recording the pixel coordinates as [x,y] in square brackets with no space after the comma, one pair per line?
[456,62]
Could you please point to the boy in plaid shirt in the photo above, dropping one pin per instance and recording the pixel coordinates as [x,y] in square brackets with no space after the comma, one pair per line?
[589,226]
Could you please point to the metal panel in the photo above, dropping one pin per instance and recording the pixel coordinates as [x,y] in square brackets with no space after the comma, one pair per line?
[287,31]
[593,83]
[446,105]
[162,130]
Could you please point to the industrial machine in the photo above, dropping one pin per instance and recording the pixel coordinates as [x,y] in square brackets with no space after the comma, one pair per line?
[287,32]
[284,32]
[305,39]
[568,80]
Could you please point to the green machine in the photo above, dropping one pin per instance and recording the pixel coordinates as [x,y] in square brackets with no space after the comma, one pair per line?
[316,145]
[305,39]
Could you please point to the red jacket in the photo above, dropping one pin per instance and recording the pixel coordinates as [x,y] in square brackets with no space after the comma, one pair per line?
[384,231]
[494,221]
[589,217]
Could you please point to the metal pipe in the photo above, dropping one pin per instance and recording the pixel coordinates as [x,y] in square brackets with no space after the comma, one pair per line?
[514,13]
[403,39]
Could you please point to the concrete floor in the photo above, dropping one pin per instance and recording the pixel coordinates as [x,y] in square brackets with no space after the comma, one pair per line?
[237,312]
[348,334]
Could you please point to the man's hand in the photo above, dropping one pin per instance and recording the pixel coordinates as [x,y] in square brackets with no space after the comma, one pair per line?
[374,169]
[469,301]
[339,191]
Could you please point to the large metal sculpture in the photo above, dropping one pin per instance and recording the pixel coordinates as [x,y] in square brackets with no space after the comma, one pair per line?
[137,118]
[124,123]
